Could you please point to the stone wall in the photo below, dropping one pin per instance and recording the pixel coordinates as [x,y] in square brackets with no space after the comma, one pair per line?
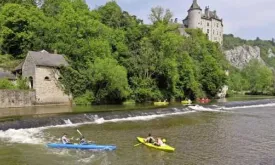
[16,98]
[28,71]
[48,89]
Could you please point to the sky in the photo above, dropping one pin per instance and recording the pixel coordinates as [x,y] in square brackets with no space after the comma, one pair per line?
[247,19]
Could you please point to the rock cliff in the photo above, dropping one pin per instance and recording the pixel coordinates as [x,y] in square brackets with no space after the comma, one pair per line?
[270,53]
[240,56]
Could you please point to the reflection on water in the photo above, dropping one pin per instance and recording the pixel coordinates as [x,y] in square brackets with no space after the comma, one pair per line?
[34,110]
[40,110]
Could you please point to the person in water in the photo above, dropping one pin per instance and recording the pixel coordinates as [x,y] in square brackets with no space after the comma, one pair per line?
[150,139]
[65,140]
[159,142]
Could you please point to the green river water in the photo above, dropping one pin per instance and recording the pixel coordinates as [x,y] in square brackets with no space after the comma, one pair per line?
[233,136]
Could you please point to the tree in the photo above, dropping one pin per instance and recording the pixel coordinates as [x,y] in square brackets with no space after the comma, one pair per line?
[20,28]
[260,77]
[109,80]
[159,14]
[22,2]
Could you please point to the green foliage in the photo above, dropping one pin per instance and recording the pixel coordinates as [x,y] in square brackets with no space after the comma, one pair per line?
[6,84]
[158,14]
[20,27]
[85,99]
[113,56]
[109,80]
[259,76]
[22,83]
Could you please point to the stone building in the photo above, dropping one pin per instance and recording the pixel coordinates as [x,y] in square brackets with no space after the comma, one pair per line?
[42,71]
[208,22]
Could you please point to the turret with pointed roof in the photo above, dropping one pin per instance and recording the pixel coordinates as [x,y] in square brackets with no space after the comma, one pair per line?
[209,22]
[195,6]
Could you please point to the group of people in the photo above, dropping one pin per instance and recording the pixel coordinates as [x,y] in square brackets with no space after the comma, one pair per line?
[149,139]
[65,140]
[158,142]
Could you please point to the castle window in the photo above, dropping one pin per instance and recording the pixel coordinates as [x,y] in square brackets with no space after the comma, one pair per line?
[207,31]
[207,23]
[47,78]
[60,78]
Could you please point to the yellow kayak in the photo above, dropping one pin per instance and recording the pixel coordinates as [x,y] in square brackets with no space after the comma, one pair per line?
[186,102]
[165,147]
[161,103]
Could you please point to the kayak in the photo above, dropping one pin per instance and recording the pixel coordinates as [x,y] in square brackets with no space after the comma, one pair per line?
[165,147]
[186,102]
[82,146]
[161,103]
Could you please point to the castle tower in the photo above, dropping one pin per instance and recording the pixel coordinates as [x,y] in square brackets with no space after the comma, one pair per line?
[194,15]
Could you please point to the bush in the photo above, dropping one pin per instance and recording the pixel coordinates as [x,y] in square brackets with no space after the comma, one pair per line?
[6,84]
[22,84]
[85,99]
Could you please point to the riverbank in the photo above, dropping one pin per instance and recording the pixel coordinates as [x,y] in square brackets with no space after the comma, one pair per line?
[7,114]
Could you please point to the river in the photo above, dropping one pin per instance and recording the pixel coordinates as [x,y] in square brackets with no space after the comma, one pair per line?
[227,133]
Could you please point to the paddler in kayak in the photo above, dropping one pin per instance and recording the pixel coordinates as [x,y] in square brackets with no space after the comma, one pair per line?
[65,140]
[159,142]
[150,139]
[82,140]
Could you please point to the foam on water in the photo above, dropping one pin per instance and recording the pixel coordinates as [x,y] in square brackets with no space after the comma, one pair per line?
[36,135]
[30,135]
[86,160]
[139,118]
[249,106]
[201,108]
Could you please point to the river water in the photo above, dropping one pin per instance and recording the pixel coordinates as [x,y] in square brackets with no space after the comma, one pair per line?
[230,133]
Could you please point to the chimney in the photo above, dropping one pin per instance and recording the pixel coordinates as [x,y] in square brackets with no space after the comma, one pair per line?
[215,13]
[206,11]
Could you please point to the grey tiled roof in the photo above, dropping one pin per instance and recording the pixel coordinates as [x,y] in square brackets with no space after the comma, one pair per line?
[43,58]
[194,5]
[19,67]
[8,75]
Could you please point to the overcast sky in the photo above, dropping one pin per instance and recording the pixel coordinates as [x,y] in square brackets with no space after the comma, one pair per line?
[244,18]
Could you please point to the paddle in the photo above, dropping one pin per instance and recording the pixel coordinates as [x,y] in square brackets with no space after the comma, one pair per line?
[79,132]
[83,136]
[137,144]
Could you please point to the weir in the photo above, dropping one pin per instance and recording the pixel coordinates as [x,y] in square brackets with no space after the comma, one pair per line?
[115,116]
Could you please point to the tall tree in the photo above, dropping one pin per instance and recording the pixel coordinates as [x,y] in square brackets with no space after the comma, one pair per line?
[159,14]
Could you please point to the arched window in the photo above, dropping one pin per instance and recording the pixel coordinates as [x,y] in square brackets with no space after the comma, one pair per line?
[31,82]
[47,78]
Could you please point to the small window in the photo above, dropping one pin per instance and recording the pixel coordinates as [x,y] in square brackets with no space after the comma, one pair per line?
[60,78]
[208,31]
[47,78]
[207,23]
[213,31]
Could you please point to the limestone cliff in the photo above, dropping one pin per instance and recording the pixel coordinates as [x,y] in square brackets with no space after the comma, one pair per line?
[270,53]
[240,56]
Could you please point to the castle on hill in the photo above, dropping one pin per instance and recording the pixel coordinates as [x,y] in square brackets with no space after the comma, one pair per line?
[208,21]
